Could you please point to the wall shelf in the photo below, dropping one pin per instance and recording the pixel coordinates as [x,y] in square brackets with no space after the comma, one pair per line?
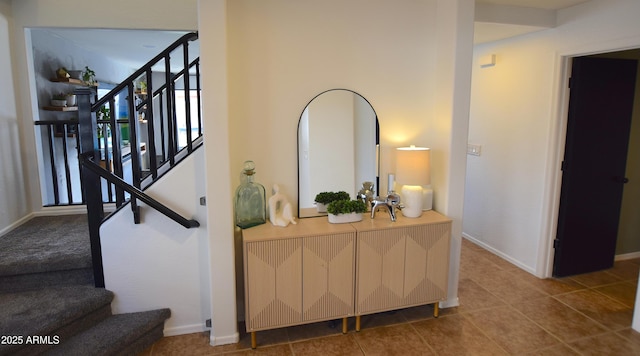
[60,108]
[72,81]
[68,80]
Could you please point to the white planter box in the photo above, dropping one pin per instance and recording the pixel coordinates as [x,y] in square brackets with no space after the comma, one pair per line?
[322,208]
[345,218]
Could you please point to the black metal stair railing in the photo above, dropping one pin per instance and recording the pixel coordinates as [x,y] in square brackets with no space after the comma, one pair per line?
[134,134]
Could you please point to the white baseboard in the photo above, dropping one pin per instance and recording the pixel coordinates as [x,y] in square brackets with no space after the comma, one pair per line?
[627,256]
[185,329]
[499,253]
[16,224]
[61,210]
[224,340]
[450,303]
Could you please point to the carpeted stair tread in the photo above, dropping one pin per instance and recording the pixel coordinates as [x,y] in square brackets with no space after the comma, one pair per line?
[116,334]
[46,243]
[34,281]
[43,312]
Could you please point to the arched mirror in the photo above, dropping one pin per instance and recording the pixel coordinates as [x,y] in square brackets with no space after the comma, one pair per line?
[338,138]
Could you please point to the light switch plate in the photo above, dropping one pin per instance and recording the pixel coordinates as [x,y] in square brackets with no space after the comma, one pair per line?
[474,150]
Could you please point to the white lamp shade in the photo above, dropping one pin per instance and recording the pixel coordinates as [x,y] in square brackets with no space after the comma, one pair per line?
[412,165]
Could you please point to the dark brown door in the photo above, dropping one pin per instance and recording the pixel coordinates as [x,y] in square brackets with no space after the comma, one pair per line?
[600,111]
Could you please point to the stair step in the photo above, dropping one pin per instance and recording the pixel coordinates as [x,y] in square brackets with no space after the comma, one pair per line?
[46,243]
[56,311]
[32,281]
[121,334]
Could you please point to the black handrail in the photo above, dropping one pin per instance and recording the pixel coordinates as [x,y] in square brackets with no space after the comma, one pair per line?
[87,161]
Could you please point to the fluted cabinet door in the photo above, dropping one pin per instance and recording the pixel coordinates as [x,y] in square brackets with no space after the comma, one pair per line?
[328,276]
[273,283]
[427,264]
[401,267]
[380,270]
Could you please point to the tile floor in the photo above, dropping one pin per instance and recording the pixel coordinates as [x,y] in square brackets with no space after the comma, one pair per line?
[503,311]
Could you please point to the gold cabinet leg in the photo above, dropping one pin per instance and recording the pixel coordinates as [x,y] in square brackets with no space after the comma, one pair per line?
[344,325]
[357,322]
[436,309]
[253,340]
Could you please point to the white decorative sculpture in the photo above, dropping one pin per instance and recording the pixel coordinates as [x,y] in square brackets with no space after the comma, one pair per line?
[280,213]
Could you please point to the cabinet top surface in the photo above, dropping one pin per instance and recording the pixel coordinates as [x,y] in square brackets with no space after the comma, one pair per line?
[304,227]
[321,226]
[382,221]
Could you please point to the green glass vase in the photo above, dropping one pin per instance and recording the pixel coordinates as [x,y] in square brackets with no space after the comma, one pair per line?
[249,203]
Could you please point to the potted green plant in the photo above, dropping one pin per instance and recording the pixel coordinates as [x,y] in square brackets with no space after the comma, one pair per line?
[89,76]
[59,100]
[345,211]
[71,99]
[324,198]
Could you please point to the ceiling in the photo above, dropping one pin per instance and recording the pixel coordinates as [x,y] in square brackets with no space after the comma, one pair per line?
[488,30]
[539,4]
[130,47]
[136,47]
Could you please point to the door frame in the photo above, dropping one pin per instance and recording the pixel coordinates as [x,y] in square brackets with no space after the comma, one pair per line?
[555,155]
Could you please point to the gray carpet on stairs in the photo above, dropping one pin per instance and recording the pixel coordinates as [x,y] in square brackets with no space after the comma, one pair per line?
[122,334]
[46,290]
[38,312]
[24,250]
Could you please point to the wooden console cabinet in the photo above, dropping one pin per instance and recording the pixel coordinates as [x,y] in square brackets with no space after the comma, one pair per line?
[315,271]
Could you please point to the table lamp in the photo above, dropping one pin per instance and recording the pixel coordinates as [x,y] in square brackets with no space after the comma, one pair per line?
[412,171]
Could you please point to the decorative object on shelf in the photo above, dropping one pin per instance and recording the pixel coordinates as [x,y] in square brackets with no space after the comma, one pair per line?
[62,73]
[390,203]
[59,100]
[323,199]
[249,200]
[71,99]
[75,74]
[142,87]
[366,193]
[412,170]
[346,211]
[280,213]
[89,76]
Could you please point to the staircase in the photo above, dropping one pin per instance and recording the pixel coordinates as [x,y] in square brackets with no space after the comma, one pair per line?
[48,304]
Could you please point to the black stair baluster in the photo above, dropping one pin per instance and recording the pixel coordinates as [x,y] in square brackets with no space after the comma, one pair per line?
[134,149]
[151,137]
[52,160]
[67,171]
[197,65]
[171,118]
[187,95]
[162,125]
